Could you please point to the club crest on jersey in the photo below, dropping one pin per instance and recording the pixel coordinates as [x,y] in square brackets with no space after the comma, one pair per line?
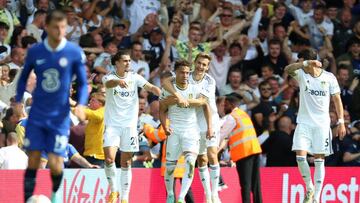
[63,62]
[190,96]
[323,84]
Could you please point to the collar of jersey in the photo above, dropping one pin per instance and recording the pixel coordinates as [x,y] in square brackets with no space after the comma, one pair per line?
[58,48]
[196,81]
[119,75]
[181,88]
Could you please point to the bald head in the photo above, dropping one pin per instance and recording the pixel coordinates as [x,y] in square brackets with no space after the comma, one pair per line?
[18,56]
[12,139]
[285,124]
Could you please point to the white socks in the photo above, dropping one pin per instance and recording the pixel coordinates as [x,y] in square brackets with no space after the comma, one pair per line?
[188,176]
[319,176]
[214,177]
[305,171]
[125,178]
[110,172]
[205,180]
[169,177]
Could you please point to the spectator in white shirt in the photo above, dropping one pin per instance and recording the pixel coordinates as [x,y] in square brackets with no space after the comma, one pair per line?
[138,65]
[35,29]
[317,23]
[75,27]
[220,65]
[12,157]
[32,8]
[102,63]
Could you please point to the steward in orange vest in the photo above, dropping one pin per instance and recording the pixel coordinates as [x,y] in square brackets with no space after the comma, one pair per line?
[244,147]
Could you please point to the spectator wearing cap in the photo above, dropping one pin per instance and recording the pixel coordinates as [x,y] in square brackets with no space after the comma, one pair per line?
[102,63]
[17,58]
[137,64]
[342,30]
[35,28]
[12,157]
[9,19]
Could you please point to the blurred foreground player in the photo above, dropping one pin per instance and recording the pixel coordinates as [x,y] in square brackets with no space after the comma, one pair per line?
[54,61]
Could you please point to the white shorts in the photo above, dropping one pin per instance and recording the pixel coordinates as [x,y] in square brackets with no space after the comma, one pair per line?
[205,143]
[180,142]
[313,139]
[125,138]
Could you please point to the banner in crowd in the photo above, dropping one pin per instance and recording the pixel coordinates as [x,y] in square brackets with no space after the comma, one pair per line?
[90,186]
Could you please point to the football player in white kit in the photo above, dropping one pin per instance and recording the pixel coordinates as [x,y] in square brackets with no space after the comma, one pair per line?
[121,117]
[208,144]
[312,133]
[183,132]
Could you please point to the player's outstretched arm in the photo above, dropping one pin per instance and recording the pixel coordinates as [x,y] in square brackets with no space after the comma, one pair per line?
[152,88]
[167,85]
[291,68]
[77,158]
[341,130]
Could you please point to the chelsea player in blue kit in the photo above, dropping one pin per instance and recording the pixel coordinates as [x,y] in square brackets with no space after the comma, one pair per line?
[54,61]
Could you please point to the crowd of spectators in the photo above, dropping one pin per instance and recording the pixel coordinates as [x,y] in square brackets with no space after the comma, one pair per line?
[250,41]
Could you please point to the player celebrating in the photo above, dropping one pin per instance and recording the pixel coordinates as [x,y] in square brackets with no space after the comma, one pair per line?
[313,133]
[183,131]
[208,144]
[54,61]
[121,117]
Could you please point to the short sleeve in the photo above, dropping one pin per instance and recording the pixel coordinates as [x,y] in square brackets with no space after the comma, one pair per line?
[297,74]
[334,85]
[71,151]
[209,89]
[44,155]
[107,78]
[140,80]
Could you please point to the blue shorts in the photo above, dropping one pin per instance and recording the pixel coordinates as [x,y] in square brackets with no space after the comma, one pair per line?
[47,135]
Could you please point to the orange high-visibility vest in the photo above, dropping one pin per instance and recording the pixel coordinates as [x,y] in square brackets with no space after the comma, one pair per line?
[243,141]
[156,135]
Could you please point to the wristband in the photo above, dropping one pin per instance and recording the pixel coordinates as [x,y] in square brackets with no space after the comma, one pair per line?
[341,121]
[305,63]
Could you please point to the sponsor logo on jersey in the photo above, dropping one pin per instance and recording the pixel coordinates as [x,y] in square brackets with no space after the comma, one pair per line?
[124,93]
[315,92]
[40,61]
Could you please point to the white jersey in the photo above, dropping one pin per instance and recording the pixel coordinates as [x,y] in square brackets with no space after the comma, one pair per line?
[208,87]
[182,118]
[122,104]
[315,94]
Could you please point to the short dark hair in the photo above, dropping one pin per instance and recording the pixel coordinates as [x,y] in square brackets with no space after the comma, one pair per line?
[39,13]
[264,83]
[275,41]
[56,15]
[27,40]
[181,63]
[136,43]
[233,98]
[308,54]
[119,55]
[278,5]
[249,73]
[320,7]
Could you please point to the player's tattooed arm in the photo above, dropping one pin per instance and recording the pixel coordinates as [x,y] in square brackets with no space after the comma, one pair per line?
[152,88]
[168,86]
[291,68]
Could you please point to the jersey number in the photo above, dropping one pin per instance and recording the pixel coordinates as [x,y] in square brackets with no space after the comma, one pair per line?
[327,142]
[51,82]
[133,140]
[60,143]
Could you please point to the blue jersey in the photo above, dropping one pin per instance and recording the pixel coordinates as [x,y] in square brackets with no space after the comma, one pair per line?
[54,71]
